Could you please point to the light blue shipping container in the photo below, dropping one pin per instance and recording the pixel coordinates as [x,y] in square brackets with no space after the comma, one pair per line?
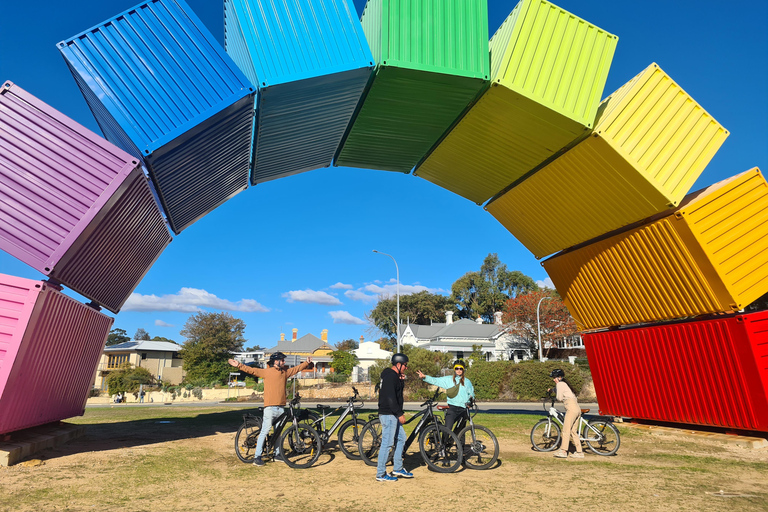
[162,88]
[311,63]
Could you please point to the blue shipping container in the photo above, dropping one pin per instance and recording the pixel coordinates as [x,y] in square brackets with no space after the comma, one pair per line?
[163,89]
[311,63]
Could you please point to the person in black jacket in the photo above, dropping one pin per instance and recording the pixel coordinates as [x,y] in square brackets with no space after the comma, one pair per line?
[392,419]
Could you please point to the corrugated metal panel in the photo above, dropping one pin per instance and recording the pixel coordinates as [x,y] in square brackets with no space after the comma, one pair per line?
[154,77]
[64,188]
[426,78]
[710,256]
[646,373]
[650,144]
[549,71]
[312,63]
[47,330]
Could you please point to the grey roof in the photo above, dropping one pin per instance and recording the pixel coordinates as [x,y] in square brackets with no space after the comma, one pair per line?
[144,346]
[464,328]
[307,343]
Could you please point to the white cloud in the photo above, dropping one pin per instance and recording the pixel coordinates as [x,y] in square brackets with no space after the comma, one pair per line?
[311,297]
[405,289]
[189,300]
[160,323]
[358,295]
[341,286]
[344,317]
[547,283]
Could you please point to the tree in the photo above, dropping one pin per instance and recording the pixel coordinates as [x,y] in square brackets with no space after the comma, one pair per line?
[210,339]
[117,336]
[127,379]
[252,349]
[347,345]
[160,338]
[556,322]
[141,334]
[418,308]
[343,362]
[485,292]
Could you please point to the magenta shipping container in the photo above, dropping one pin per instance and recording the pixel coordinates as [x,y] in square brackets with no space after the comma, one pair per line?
[50,345]
[72,205]
[707,372]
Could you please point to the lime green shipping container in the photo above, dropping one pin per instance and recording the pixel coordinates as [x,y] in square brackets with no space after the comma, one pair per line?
[650,143]
[708,256]
[431,63]
[548,70]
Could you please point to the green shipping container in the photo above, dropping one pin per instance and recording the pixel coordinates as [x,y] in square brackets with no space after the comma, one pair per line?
[432,62]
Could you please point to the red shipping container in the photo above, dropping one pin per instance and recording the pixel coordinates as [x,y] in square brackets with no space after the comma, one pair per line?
[707,372]
[50,345]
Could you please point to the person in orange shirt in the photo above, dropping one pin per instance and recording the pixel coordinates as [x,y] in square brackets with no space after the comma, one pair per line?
[275,376]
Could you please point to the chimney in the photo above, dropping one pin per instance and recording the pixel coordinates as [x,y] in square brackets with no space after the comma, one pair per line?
[479,320]
[324,336]
[497,316]
[449,317]
[361,340]
[282,336]
[295,333]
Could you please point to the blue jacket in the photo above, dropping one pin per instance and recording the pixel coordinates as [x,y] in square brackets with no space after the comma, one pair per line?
[465,392]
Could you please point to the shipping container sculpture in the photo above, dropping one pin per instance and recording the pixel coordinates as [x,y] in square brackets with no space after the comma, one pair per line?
[708,256]
[431,64]
[548,71]
[162,89]
[310,78]
[709,372]
[650,143]
[50,345]
[72,205]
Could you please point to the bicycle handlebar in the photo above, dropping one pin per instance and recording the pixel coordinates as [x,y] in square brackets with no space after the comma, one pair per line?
[431,401]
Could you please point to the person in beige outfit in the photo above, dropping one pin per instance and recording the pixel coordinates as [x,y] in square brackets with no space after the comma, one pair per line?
[572,415]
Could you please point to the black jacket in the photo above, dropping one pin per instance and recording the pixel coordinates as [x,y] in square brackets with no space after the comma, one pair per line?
[391,393]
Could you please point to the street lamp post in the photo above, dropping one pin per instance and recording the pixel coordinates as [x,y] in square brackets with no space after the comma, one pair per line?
[397,270]
[538,322]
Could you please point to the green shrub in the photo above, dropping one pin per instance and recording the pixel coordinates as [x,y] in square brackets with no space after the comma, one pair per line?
[259,386]
[336,377]
[532,379]
[490,378]
[197,393]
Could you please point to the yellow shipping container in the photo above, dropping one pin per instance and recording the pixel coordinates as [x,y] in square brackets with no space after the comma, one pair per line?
[708,256]
[548,72]
[650,143]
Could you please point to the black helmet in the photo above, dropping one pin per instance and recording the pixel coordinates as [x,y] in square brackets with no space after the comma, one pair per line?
[274,357]
[399,358]
[459,364]
[557,372]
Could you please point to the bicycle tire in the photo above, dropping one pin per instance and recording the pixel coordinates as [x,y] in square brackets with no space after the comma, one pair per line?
[370,442]
[545,436]
[608,439]
[300,446]
[440,449]
[349,437]
[246,439]
[480,452]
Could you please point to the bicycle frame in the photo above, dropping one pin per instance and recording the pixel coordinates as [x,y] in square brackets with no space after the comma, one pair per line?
[349,408]
[427,416]
[559,418]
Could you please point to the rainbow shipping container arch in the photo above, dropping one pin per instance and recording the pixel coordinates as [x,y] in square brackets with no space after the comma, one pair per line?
[412,86]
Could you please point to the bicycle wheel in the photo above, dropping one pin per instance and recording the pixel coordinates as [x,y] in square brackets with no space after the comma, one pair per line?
[545,436]
[440,449]
[602,437]
[300,446]
[370,442]
[481,450]
[349,437]
[245,439]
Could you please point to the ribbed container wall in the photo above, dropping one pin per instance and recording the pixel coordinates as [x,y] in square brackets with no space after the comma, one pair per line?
[649,145]
[432,63]
[72,201]
[709,372]
[708,256]
[50,345]
[310,78]
[162,89]
[549,71]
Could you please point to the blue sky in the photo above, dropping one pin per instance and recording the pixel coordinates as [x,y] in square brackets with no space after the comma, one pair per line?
[297,252]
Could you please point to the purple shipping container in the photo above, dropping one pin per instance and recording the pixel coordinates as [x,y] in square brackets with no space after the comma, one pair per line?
[50,345]
[73,205]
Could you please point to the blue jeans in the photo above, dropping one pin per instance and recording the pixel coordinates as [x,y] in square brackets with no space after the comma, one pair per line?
[271,413]
[392,433]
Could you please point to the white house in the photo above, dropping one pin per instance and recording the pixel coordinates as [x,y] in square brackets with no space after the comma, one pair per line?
[368,352]
[457,338]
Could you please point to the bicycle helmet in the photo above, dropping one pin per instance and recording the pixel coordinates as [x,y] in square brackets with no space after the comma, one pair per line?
[274,357]
[399,358]
[557,372]
[459,364]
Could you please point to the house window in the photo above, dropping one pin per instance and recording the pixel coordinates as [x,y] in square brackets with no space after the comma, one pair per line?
[143,356]
[460,354]
[488,356]
[116,360]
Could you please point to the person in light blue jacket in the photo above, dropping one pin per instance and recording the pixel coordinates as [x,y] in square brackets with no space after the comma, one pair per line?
[457,405]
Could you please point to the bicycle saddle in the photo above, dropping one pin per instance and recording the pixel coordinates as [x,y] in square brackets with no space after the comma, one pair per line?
[584,411]
[442,407]
[321,407]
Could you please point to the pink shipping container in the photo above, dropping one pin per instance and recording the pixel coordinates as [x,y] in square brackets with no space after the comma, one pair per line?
[72,205]
[707,372]
[50,345]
